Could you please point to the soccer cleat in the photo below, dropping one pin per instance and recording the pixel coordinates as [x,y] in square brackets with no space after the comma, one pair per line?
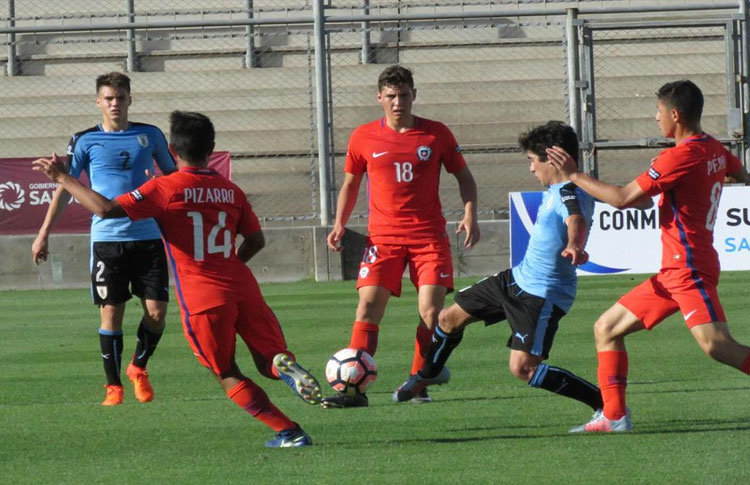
[114,396]
[600,424]
[416,384]
[304,384]
[289,438]
[346,401]
[141,385]
[421,398]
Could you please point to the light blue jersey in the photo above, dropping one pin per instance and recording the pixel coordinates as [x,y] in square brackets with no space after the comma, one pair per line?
[543,272]
[116,163]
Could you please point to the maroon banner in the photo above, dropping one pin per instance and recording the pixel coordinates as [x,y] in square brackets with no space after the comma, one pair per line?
[25,196]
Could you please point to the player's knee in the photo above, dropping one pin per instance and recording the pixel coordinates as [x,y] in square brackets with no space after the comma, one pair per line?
[448,321]
[429,316]
[156,317]
[603,329]
[522,369]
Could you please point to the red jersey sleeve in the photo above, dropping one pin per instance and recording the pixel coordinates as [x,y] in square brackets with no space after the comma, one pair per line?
[668,168]
[248,222]
[453,159]
[355,162]
[149,200]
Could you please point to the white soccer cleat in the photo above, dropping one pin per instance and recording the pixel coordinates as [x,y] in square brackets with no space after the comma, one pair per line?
[600,424]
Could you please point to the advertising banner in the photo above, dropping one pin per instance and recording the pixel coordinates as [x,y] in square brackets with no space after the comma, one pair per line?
[629,240]
[26,194]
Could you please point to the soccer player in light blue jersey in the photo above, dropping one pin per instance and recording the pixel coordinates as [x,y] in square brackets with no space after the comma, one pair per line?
[534,295]
[127,257]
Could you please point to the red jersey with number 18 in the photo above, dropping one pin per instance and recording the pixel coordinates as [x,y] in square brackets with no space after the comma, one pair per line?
[403,171]
[199,213]
[690,177]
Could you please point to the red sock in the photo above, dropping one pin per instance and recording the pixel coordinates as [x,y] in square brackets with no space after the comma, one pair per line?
[421,346]
[613,379]
[745,366]
[254,400]
[365,337]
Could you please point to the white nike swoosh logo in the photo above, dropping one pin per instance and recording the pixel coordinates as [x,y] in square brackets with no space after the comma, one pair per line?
[377,155]
[686,317]
[444,275]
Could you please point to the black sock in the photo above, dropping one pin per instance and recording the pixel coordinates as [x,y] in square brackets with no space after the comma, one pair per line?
[565,383]
[145,345]
[440,349]
[111,344]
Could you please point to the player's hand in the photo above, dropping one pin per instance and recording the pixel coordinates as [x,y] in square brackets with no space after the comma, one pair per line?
[53,167]
[40,249]
[561,160]
[471,227]
[577,256]
[335,236]
[149,174]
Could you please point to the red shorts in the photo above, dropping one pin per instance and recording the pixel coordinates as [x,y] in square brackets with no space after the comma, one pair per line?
[212,334]
[670,290]
[384,264]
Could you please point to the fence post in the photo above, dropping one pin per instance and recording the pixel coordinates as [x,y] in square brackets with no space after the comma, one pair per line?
[571,35]
[131,64]
[588,105]
[11,39]
[251,57]
[321,101]
[366,47]
[745,13]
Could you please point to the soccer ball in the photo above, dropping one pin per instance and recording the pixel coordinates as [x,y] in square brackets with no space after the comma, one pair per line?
[351,371]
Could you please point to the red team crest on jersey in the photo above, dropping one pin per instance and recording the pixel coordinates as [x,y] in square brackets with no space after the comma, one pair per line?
[424,153]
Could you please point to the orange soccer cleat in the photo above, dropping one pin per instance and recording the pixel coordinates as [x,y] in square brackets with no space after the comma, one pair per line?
[114,396]
[141,385]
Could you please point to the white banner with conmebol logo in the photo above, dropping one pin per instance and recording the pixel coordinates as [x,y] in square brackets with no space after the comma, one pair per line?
[628,241]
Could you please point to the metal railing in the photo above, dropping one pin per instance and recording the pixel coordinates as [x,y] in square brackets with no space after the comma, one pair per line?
[285,82]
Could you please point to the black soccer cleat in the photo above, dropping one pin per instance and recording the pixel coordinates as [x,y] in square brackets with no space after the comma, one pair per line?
[346,401]
[416,384]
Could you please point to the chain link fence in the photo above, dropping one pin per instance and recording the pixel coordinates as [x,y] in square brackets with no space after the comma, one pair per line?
[487,78]
[630,65]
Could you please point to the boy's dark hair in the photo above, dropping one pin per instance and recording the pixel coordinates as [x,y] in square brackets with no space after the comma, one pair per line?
[395,76]
[191,136]
[546,136]
[114,79]
[685,97]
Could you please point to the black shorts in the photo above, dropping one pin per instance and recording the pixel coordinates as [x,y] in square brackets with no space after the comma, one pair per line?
[533,320]
[117,268]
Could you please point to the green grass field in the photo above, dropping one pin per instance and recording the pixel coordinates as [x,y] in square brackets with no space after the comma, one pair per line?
[691,415]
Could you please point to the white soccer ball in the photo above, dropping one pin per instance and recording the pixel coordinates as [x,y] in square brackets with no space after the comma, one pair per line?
[351,371]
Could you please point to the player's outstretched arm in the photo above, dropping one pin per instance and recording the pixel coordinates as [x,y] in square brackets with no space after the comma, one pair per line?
[620,197]
[96,203]
[469,224]
[578,233]
[251,244]
[344,206]
[40,246]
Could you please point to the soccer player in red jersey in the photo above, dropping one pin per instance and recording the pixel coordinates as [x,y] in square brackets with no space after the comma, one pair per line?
[200,213]
[402,156]
[690,178]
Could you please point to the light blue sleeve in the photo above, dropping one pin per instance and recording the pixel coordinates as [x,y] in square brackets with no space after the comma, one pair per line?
[79,158]
[161,153]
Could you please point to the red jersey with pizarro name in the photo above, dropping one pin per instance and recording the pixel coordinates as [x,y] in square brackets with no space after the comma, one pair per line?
[199,213]
[403,173]
[690,177]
